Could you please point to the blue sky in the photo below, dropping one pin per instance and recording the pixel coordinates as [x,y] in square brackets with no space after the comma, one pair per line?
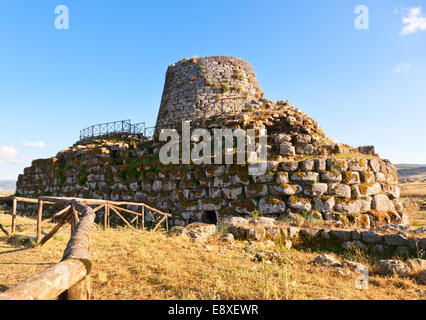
[363,86]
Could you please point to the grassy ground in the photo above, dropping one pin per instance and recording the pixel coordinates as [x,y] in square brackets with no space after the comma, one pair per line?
[145,265]
[417,215]
[414,194]
[413,189]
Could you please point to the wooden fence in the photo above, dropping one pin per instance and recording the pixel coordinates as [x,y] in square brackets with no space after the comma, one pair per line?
[110,208]
[70,278]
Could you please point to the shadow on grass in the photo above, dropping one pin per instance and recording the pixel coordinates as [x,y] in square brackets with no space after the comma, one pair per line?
[15,250]
[3,288]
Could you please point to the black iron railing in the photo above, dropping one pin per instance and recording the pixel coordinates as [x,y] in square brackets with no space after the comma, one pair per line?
[123,126]
[224,105]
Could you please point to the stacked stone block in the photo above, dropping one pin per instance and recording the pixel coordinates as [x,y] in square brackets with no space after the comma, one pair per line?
[356,191]
[192,86]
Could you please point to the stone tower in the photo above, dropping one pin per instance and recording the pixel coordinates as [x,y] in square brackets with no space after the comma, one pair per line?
[194,88]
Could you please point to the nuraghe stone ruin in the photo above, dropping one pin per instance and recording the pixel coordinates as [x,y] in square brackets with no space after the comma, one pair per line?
[308,175]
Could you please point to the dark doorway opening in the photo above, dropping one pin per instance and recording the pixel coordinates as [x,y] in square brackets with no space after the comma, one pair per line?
[210,217]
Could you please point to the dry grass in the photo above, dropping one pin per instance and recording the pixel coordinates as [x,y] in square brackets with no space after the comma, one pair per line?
[5,194]
[145,265]
[416,209]
[413,189]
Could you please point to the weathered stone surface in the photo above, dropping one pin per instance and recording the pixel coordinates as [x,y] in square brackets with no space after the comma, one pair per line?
[229,237]
[302,176]
[352,206]
[316,189]
[282,138]
[324,204]
[304,149]
[368,177]
[326,260]
[271,205]
[392,191]
[303,139]
[402,251]
[422,277]
[350,177]
[380,177]
[320,165]
[365,190]
[282,178]
[331,176]
[352,245]
[371,237]
[374,165]
[202,228]
[293,232]
[157,185]
[307,165]
[309,234]
[340,235]
[355,235]
[299,204]
[238,220]
[214,171]
[391,267]
[232,193]
[379,249]
[337,164]
[358,165]
[395,240]
[266,221]
[341,190]
[287,149]
[380,202]
[243,206]
[290,165]
[255,191]
[285,189]
[263,178]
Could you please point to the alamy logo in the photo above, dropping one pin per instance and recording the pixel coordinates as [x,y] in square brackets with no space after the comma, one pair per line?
[62,20]
[361,21]
[226,144]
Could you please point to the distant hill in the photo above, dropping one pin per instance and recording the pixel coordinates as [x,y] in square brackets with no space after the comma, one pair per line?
[411,172]
[7,186]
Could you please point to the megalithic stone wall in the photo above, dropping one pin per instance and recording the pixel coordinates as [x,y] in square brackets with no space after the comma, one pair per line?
[361,192]
[308,176]
[193,85]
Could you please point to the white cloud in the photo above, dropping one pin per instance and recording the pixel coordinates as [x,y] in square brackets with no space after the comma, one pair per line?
[34,144]
[8,154]
[414,21]
[403,67]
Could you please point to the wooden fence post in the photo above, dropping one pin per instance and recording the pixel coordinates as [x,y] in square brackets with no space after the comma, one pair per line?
[39,217]
[15,201]
[80,291]
[106,214]
[74,218]
[143,217]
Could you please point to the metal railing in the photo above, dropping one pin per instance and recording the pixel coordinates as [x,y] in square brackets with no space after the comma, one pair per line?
[224,105]
[123,126]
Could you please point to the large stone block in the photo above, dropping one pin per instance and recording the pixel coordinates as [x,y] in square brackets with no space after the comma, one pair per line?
[271,205]
[305,176]
[380,202]
[299,204]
